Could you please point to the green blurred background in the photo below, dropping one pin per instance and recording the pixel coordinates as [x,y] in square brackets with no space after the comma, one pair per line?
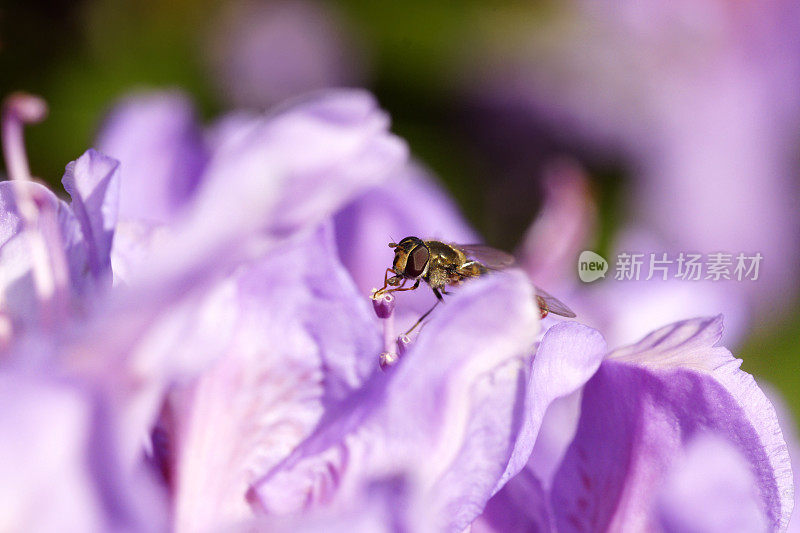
[82,55]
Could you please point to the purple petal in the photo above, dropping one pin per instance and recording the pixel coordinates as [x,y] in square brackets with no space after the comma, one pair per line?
[302,339]
[639,411]
[568,355]
[287,173]
[521,506]
[710,489]
[449,412]
[555,435]
[384,505]
[789,426]
[563,227]
[93,183]
[687,344]
[158,142]
[305,159]
[57,466]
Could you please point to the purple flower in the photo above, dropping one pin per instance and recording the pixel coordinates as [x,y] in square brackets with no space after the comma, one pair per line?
[698,98]
[261,54]
[661,423]
[195,291]
[230,378]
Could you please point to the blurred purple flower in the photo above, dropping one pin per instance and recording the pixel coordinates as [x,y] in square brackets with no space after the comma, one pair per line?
[53,253]
[59,444]
[157,137]
[699,97]
[623,310]
[273,397]
[264,53]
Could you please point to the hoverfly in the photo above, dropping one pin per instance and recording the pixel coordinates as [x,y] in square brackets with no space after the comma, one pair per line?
[441,264]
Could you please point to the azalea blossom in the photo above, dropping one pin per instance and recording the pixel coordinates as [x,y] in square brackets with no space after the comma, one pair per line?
[214,363]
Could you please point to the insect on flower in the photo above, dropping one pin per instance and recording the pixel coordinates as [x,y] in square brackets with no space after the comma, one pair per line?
[441,264]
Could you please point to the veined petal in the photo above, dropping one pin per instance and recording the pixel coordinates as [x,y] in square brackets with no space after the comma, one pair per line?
[641,408]
[686,344]
[789,427]
[303,339]
[521,506]
[383,505]
[568,355]
[93,183]
[448,414]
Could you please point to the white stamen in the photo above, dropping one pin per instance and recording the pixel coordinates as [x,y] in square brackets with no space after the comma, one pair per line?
[20,109]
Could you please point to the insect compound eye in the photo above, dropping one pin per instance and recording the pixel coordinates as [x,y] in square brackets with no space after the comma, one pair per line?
[417,259]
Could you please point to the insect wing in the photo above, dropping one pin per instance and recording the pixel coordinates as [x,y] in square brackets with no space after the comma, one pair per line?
[551,304]
[489,257]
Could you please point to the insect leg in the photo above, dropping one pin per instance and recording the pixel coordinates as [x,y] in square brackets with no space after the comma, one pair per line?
[418,322]
[400,288]
[438,294]
[385,281]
